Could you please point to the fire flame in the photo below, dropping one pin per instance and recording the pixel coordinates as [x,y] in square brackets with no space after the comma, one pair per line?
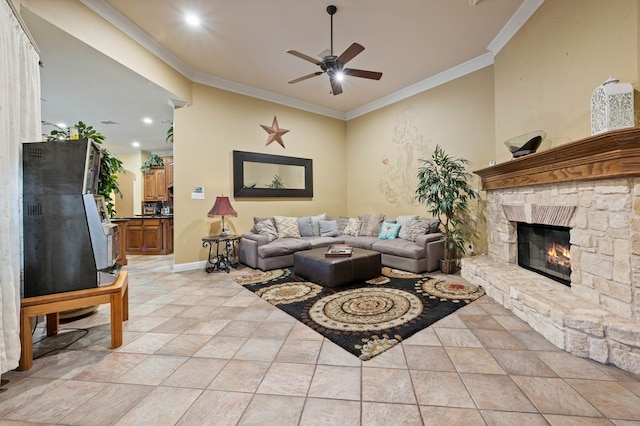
[559,255]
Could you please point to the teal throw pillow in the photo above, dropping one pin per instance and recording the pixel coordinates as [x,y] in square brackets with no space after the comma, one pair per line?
[389,231]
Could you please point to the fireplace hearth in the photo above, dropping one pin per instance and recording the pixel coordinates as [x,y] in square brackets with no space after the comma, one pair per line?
[591,186]
[545,249]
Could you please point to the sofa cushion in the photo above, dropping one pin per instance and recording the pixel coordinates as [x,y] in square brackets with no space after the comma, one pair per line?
[353,227]
[328,228]
[341,221]
[371,224]
[287,227]
[417,228]
[389,231]
[323,241]
[261,219]
[304,225]
[404,221]
[283,246]
[399,247]
[267,229]
[361,242]
[314,223]
[434,224]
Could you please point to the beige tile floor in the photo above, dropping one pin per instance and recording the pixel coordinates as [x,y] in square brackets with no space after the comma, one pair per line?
[201,350]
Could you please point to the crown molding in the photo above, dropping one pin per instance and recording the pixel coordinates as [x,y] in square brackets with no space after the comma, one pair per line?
[453,73]
[124,24]
[265,95]
[513,25]
[108,12]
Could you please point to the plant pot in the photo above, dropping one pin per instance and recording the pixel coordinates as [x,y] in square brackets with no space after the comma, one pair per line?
[448,266]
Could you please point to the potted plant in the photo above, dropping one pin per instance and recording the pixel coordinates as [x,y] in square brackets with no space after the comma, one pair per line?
[443,187]
[110,165]
[154,160]
[276,183]
[169,138]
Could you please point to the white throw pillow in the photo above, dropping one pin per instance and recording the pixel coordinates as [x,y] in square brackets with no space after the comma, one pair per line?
[287,227]
[417,228]
[353,227]
[403,221]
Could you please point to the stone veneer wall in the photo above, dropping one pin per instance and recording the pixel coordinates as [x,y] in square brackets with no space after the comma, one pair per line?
[598,316]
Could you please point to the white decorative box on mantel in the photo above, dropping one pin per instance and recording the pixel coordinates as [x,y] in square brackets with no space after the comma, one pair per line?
[611,106]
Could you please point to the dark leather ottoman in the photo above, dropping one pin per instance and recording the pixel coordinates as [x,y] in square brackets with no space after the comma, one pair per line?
[314,266]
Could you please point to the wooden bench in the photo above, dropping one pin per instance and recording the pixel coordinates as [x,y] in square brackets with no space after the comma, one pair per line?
[117,294]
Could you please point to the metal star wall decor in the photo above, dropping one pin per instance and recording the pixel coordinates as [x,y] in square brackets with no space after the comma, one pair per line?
[275,132]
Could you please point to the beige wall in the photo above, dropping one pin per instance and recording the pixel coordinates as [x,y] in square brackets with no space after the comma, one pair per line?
[384,146]
[219,122]
[546,74]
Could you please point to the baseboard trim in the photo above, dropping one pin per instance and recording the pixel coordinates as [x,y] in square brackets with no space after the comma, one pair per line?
[183,267]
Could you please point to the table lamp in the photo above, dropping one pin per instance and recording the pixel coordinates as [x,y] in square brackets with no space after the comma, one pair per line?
[222,207]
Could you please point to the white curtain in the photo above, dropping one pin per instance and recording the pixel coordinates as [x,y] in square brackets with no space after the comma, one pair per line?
[19,122]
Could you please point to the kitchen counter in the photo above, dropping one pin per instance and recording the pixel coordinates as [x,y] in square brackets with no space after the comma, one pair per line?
[149,234]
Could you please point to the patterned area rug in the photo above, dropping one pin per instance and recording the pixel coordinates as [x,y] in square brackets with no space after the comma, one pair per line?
[365,318]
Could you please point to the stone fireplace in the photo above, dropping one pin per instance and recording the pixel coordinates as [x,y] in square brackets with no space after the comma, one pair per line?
[591,188]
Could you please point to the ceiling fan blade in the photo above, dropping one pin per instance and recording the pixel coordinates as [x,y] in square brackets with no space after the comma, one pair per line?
[336,87]
[350,53]
[373,75]
[305,57]
[306,77]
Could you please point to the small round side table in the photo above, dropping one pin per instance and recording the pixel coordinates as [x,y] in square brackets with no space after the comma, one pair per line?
[223,258]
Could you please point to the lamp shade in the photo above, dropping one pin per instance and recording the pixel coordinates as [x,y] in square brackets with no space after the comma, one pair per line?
[222,207]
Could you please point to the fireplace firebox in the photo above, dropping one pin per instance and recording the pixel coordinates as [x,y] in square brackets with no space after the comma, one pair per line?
[545,249]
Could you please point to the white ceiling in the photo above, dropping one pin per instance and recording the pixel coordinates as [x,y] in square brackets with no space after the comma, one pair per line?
[241,46]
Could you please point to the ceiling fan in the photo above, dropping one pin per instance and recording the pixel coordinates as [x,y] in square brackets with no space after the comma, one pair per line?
[334,65]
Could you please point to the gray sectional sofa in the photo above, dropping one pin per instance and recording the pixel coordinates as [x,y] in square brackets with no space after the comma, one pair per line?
[419,251]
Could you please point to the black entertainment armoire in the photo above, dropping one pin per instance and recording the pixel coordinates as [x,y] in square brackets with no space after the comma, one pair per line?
[69,242]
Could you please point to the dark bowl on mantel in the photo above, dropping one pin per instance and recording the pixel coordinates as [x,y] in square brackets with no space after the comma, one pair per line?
[527,143]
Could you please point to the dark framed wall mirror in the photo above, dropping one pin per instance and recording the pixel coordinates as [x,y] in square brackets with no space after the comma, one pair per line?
[265,175]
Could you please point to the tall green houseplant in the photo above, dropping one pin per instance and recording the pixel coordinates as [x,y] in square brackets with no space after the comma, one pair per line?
[443,187]
[110,165]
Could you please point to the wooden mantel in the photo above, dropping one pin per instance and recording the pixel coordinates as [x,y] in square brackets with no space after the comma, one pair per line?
[607,155]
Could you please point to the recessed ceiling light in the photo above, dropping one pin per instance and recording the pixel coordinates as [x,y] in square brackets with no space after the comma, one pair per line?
[135,144]
[62,125]
[147,120]
[192,19]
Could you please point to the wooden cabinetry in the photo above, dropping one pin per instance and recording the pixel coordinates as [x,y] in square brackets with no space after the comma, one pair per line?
[167,235]
[155,185]
[150,236]
[158,180]
[168,169]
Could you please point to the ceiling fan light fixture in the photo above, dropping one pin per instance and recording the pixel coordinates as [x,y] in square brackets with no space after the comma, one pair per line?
[333,65]
[192,19]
